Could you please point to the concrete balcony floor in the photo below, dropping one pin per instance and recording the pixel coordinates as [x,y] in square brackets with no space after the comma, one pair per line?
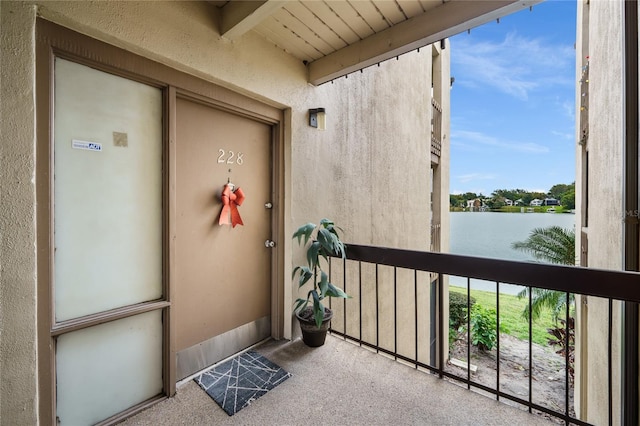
[341,384]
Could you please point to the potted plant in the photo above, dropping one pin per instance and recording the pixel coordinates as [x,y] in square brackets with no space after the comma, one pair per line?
[321,241]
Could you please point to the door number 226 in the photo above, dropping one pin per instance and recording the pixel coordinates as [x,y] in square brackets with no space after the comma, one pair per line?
[230,157]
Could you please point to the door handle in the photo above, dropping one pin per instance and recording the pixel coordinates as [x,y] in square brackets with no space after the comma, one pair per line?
[269,244]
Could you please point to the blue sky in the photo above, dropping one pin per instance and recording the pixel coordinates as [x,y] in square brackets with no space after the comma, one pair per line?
[512,103]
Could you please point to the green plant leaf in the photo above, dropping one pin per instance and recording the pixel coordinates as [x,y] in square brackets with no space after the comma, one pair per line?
[312,254]
[326,222]
[542,298]
[324,243]
[483,327]
[318,309]
[300,303]
[340,250]
[304,231]
[326,240]
[334,291]
[295,271]
[323,284]
[305,275]
[553,244]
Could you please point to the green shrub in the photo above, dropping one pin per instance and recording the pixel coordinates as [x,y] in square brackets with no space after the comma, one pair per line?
[458,314]
[483,327]
[458,309]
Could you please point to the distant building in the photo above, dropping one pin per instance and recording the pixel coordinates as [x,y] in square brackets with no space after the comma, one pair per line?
[550,202]
[476,205]
[535,202]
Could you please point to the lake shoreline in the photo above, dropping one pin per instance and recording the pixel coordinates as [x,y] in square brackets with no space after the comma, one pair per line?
[491,234]
[536,210]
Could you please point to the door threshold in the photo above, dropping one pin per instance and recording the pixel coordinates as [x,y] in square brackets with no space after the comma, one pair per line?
[186,380]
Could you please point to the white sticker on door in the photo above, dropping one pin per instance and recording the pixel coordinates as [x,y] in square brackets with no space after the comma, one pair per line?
[88,146]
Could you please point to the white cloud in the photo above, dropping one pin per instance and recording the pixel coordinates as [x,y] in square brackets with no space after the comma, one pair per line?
[563,135]
[466,138]
[475,191]
[470,177]
[515,66]
[569,109]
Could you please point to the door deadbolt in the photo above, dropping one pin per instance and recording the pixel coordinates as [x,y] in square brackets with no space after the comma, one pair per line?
[268,205]
[269,244]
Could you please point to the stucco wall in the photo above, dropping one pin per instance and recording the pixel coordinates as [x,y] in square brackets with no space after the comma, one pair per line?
[605,226]
[369,170]
[376,156]
[18,380]
[606,138]
[581,354]
[184,35]
[443,64]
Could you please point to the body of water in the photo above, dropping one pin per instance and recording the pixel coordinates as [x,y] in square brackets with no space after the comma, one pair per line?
[487,234]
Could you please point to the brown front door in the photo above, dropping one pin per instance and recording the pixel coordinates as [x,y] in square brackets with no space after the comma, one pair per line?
[223,273]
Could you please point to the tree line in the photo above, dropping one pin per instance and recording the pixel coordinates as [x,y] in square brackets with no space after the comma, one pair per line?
[565,193]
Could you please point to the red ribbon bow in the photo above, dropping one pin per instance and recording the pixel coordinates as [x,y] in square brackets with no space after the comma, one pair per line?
[231,200]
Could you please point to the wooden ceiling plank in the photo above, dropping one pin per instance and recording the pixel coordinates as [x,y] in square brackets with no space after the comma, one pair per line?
[371,15]
[289,20]
[411,7]
[316,25]
[351,17]
[430,4]
[441,22]
[282,44]
[289,40]
[238,17]
[329,17]
[391,11]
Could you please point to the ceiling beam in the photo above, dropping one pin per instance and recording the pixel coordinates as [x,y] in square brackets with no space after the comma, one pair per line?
[238,17]
[446,20]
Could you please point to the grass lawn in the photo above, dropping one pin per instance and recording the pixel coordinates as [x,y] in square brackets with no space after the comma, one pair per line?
[511,320]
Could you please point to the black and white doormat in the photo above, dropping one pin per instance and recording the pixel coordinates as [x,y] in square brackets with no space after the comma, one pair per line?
[236,383]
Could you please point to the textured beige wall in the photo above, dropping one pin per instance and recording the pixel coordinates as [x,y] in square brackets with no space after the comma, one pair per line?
[18,380]
[184,35]
[606,137]
[379,154]
[581,353]
[369,170]
[443,64]
[605,227]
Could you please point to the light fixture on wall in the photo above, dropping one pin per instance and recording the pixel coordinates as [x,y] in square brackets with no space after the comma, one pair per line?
[318,118]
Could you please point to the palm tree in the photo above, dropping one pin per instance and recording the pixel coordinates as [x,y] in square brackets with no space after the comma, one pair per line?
[554,245]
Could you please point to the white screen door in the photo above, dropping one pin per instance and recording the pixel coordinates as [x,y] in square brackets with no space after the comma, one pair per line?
[108,144]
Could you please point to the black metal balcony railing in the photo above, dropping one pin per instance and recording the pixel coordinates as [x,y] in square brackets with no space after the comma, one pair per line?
[391,289]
